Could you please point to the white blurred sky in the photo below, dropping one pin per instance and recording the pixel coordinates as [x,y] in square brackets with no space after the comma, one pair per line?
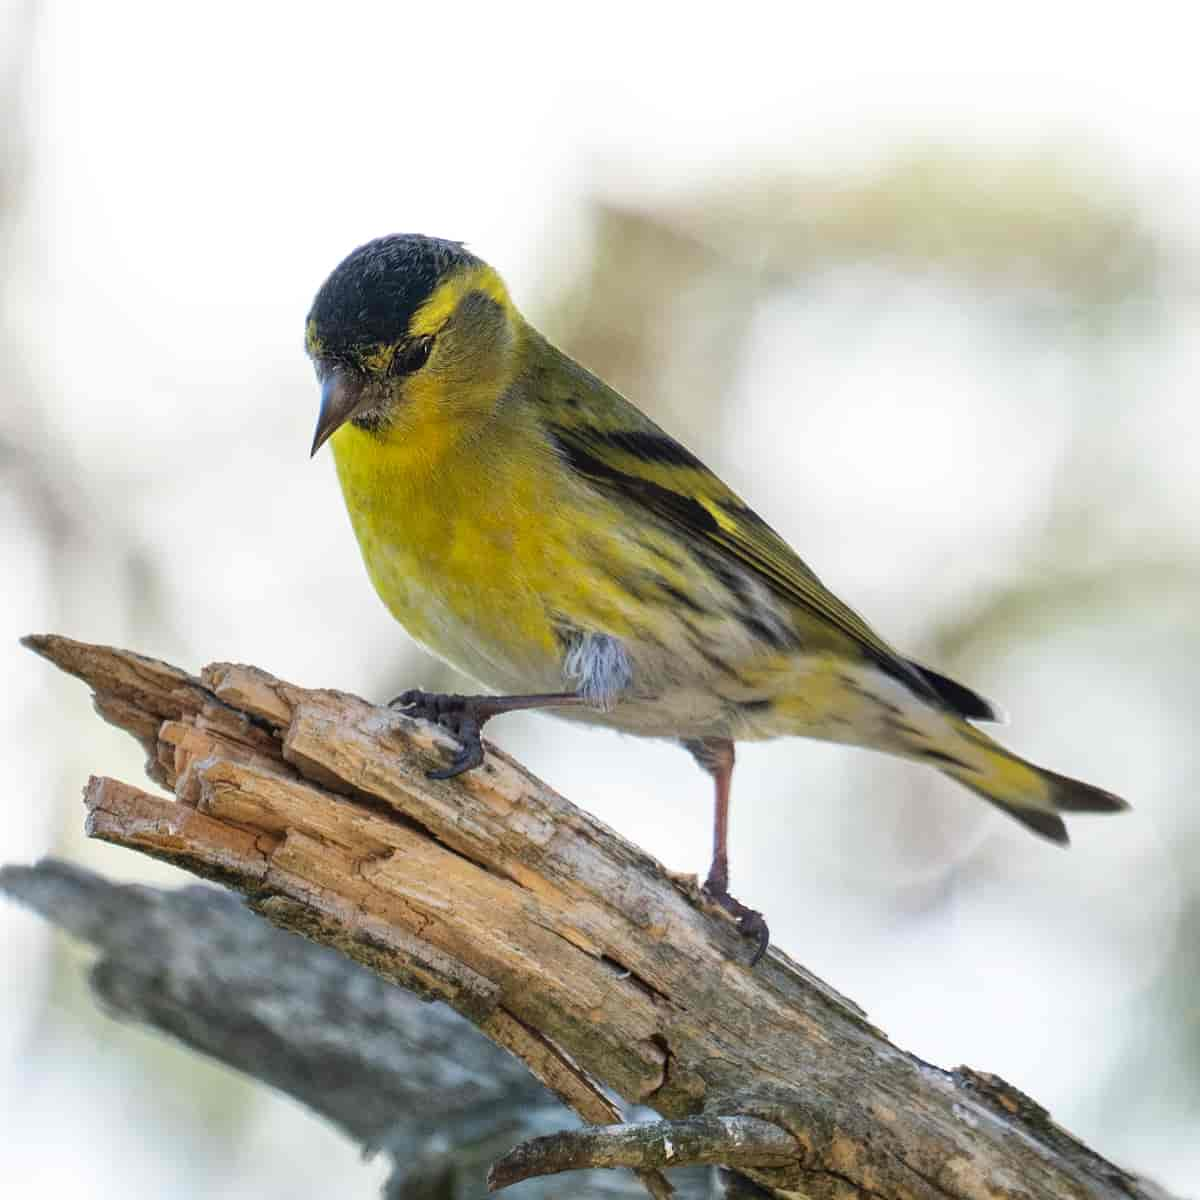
[197,171]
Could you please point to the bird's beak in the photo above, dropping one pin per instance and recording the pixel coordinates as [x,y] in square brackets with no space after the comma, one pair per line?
[340,393]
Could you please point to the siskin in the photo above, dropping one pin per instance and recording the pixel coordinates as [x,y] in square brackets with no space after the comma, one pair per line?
[535,530]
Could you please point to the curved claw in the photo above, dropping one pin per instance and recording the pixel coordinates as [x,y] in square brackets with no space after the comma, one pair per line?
[753,925]
[750,922]
[464,717]
[460,716]
[467,759]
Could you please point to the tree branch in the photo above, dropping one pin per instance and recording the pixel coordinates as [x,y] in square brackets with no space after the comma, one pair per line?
[551,934]
[730,1141]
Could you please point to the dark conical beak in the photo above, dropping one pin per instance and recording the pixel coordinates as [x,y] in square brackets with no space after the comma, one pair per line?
[340,393]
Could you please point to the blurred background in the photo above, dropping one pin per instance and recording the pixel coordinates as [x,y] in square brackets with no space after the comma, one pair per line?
[921,283]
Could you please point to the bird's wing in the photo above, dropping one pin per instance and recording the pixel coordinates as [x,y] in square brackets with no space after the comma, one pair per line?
[619,451]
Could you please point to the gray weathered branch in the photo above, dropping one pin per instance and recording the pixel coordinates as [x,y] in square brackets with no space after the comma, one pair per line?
[730,1141]
[559,940]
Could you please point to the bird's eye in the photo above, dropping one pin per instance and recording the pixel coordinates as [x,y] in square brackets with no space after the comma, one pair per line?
[412,357]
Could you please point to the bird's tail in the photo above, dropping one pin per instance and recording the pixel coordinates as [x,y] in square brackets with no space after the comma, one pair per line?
[1030,794]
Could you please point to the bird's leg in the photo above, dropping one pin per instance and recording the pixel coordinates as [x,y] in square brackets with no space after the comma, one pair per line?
[716,756]
[464,717]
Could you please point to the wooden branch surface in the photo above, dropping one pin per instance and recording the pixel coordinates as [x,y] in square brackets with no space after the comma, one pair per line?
[554,936]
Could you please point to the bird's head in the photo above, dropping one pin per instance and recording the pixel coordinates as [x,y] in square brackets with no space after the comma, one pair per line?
[410,331]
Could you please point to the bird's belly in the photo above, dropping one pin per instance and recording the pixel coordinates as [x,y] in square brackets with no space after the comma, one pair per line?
[491,630]
[497,634]
[820,696]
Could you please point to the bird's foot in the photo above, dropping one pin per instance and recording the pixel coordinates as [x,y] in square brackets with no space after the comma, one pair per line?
[464,717]
[461,716]
[750,922]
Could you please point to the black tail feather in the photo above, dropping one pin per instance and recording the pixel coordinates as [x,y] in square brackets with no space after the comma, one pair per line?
[957,697]
[1069,795]
[1046,824]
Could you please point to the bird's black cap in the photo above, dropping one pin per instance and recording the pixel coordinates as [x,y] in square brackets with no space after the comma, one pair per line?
[373,292]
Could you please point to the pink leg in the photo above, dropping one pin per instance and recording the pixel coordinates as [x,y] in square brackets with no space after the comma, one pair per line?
[716,756]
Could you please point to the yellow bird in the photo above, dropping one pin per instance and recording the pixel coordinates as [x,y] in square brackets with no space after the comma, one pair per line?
[531,527]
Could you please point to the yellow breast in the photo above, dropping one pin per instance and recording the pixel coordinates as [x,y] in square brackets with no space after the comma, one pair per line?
[469,547]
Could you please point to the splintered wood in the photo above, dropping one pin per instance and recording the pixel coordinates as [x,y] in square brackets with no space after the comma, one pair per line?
[563,942]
